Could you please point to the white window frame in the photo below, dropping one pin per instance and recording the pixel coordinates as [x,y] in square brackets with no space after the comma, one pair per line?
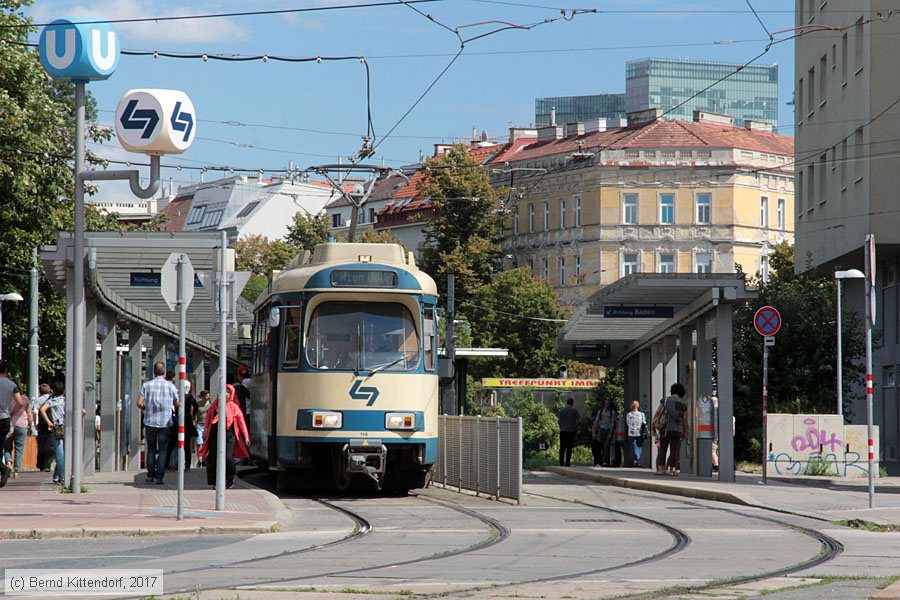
[577,208]
[561,270]
[626,205]
[671,221]
[781,213]
[562,213]
[697,256]
[531,217]
[764,212]
[764,267]
[698,213]
[577,267]
[545,269]
[626,263]
[673,264]
[516,221]
[546,215]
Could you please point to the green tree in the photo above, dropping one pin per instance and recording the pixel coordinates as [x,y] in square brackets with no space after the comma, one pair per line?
[260,256]
[36,183]
[517,312]
[802,362]
[463,238]
[539,423]
[307,230]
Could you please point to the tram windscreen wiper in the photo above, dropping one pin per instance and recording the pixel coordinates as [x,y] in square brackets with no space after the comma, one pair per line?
[387,366]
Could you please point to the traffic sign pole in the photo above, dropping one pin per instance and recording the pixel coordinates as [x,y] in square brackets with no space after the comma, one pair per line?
[767,322]
[183,265]
[223,365]
[870,321]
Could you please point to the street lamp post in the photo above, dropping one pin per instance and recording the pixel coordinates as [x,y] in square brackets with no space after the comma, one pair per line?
[11,297]
[838,276]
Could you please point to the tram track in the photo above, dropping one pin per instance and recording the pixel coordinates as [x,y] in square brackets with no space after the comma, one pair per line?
[830,548]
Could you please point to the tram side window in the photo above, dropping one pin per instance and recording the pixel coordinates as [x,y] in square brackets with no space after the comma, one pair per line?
[429,339]
[291,337]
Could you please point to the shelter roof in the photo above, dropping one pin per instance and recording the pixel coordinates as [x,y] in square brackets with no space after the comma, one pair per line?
[635,311]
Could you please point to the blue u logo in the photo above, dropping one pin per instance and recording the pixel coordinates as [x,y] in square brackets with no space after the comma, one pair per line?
[83,49]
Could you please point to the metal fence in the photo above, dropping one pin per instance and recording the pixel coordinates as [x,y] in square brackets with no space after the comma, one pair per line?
[481,454]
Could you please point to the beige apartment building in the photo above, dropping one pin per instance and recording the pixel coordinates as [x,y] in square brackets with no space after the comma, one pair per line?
[590,204]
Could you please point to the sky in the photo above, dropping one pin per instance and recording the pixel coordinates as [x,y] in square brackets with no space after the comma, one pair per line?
[263,116]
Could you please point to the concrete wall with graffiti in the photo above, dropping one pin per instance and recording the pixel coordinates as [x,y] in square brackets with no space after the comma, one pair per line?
[818,445]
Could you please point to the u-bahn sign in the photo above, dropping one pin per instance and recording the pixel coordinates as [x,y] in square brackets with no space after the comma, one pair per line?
[79,49]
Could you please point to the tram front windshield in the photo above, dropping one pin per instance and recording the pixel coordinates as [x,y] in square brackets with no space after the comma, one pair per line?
[362,336]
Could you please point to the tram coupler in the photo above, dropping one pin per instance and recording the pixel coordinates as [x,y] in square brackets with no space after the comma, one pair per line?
[366,457]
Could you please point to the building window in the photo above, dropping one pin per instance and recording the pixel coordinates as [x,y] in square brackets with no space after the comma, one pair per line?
[562,214]
[667,263]
[531,266]
[764,267]
[530,218]
[196,215]
[336,220]
[561,270]
[371,215]
[859,43]
[630,209]
[578,268]
[546,216]
[811,91]
[666,209]
[629,263]
[844,52]
[245,212]
[545,269]
[764,212]
[781,215]
[704,208]
[577,200]
[212,218]
[703,263]
[516,221]
[823,81]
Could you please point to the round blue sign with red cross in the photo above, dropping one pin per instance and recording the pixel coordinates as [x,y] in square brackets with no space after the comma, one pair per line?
[767,320]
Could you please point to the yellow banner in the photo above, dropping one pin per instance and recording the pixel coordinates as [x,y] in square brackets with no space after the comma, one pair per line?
[564,384]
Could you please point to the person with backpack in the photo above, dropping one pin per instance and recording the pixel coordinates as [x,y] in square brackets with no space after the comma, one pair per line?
[668,421]
[602,433]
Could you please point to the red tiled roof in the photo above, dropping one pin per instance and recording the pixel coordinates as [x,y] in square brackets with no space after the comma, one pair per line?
[177,210]
[656,134]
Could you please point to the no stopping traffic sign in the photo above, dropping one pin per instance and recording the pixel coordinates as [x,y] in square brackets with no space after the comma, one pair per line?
[767,321]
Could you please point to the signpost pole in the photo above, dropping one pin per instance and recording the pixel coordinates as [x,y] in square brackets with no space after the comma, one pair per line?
[182,366]
[870,322]
[78,312]
[765,408]
[223,365]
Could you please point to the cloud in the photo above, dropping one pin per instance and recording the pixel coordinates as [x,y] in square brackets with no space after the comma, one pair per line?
[304,23]
[191,31]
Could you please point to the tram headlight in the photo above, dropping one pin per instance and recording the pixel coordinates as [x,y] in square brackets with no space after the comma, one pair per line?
[323,419]
[399,420]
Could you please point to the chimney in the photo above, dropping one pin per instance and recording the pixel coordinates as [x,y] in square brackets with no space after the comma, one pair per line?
[553,116]
[549,133]
[574,129]
[754,125]
[642,117]
[594,125]
[711,118]
[517,133]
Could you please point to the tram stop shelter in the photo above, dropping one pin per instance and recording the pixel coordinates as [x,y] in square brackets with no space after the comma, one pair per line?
[130,326]
[663,328]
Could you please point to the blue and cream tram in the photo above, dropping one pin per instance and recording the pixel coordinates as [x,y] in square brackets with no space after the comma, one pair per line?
[345,384]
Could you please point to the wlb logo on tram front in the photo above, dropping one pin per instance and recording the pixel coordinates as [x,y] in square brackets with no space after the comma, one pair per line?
[79,49]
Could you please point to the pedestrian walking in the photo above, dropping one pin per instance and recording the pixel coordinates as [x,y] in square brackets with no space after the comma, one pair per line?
[22,423]
[158,399]
[9,392]
[45,446]
[53,414]
[202,408]
[190,430]
[620,440]
[237,439]
[670,436]
[601,431]
[568,425]
[637,428]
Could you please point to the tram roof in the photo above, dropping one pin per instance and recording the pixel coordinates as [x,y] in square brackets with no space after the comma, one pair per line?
[638,310]
[305,266]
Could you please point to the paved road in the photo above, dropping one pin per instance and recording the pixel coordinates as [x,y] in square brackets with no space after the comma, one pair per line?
[570,538]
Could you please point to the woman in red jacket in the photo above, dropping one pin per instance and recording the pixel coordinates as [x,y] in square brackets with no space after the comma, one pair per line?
[237,440]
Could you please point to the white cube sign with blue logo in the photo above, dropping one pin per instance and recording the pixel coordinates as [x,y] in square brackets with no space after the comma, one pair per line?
[156,122]
[79,49]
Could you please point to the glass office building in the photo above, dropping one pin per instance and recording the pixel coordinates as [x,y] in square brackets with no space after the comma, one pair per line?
[575,109]
[664,83]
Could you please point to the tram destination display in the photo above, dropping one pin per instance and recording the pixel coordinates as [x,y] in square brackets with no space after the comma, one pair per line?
[363,278]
